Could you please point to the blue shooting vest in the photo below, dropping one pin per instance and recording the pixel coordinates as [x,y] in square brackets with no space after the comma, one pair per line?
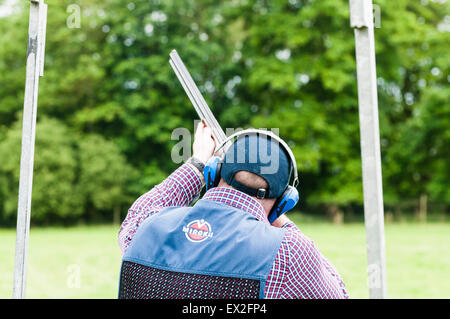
[196,252]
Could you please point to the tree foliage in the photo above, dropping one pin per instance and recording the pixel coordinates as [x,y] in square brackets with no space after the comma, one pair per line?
[109,100]
[73,174]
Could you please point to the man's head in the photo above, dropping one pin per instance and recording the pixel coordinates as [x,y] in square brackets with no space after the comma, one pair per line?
[258,166]
[254,181]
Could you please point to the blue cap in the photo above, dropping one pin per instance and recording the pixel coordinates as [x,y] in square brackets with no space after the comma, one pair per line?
[261,155]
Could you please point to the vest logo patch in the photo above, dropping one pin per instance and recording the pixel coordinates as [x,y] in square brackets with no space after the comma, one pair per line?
[197,230]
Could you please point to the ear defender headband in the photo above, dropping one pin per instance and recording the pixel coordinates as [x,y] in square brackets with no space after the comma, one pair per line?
[290,195]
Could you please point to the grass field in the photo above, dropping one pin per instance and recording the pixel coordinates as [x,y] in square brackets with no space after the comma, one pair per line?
[418,259]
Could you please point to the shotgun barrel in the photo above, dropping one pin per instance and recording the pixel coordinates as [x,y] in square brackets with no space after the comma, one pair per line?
[196,98]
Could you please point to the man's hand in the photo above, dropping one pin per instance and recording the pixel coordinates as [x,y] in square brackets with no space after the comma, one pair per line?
[204,143]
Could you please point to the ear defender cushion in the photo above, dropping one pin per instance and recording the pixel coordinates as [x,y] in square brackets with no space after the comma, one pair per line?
[211,172]
[284,203]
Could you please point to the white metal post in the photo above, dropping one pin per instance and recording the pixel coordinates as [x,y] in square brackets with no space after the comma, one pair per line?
[34,69]
[361,19]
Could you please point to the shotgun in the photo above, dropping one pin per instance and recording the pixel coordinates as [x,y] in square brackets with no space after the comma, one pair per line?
[196,98]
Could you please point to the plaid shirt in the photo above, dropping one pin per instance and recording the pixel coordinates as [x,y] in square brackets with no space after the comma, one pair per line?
[299,269]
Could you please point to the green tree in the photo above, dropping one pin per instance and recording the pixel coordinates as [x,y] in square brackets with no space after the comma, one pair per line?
[273,64]
[55,171]
[74,177]
[104,175]
[298,69]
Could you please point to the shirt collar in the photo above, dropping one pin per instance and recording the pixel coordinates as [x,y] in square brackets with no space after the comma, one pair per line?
[237,199]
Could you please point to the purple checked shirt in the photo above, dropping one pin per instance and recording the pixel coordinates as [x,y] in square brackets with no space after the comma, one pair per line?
[299,269]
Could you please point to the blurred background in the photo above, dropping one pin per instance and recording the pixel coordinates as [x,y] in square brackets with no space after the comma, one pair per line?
[109,101]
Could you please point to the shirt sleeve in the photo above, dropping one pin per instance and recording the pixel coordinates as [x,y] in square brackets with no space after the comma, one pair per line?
[181,188]
[310,274]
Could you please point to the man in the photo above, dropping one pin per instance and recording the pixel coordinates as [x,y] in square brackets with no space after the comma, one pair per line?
[223,246]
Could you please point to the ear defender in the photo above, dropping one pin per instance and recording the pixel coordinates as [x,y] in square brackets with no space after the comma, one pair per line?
[284,203]
[211,172]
